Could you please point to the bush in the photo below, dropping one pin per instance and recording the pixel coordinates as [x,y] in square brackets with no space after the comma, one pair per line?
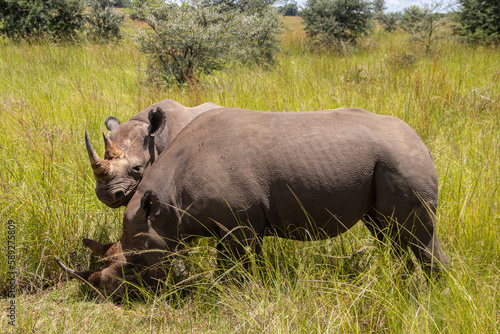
[123,3]
[188,40]
[330,22]
[289,8]
[390,21]
[479,21]
[31,20]
[424,24]
[242,6]
[104,21]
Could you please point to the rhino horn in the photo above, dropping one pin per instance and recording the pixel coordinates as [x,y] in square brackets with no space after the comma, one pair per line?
[80,275]
[111,150]
[96,247]
[100,166]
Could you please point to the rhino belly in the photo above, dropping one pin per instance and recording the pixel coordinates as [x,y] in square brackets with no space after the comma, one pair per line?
[329,210]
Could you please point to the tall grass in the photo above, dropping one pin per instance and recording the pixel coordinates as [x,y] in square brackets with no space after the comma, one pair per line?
[49,94]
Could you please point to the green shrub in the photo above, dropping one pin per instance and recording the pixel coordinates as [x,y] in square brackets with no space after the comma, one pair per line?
[57,19]
[104,22]
[389,20]
[289,8]
[424,23]
[195,38]
[330,22]
[123,3]
[479,21]
[378,7]
[243,6]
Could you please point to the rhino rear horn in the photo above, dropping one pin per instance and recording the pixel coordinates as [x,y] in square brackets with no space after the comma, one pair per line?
[96,247]
[111,150]
[100,166]
[80,275]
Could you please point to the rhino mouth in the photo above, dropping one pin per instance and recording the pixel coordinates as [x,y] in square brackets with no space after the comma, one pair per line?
[121,200]
[116,196]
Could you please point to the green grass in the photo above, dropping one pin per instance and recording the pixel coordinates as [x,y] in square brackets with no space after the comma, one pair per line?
[49,94]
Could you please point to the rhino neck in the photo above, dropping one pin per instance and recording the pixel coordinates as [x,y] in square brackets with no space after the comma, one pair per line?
[176,116]
[175,122]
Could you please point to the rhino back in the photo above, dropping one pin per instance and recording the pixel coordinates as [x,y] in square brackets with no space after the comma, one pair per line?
[290,167]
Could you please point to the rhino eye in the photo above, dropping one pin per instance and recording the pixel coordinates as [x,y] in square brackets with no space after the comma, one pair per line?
[137,169]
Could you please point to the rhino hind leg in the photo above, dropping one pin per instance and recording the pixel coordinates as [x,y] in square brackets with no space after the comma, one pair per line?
[407,201]
[413,229]
[430,254]
[380,228]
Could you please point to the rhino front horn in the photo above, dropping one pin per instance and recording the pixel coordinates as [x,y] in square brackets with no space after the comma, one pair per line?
[111,150]
[80,275]
[100,166]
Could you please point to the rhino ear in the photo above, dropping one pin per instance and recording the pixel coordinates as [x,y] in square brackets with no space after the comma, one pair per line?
[111,123]
[156,121]
[96,247]
[150,203]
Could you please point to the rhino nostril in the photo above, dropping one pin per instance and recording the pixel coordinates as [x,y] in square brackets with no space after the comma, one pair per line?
[119,194]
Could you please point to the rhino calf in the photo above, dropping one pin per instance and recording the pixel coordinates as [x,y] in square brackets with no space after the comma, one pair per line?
[133,146]
[241,174]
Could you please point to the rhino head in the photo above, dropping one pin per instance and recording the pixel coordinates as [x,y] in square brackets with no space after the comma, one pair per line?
[113,260]
[138,258]
[129,150]
[119,268]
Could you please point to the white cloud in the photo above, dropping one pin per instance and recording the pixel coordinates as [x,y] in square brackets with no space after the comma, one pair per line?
[399,5]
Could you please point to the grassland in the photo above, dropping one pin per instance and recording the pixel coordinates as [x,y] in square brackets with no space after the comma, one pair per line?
[49,94]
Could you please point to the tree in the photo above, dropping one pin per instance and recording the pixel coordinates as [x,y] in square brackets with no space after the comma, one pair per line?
[330,22]
[57,19]
[243,6]
[123,3]
[190,39]
[103,21]
[289,8]
[424,23]
[378,7]
[389,20]
[479,20]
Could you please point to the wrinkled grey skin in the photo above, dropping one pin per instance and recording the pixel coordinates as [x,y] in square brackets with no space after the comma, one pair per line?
[133,146]
[255,173]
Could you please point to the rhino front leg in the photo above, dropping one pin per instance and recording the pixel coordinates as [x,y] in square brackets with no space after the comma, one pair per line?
[239,246]
[376,226]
